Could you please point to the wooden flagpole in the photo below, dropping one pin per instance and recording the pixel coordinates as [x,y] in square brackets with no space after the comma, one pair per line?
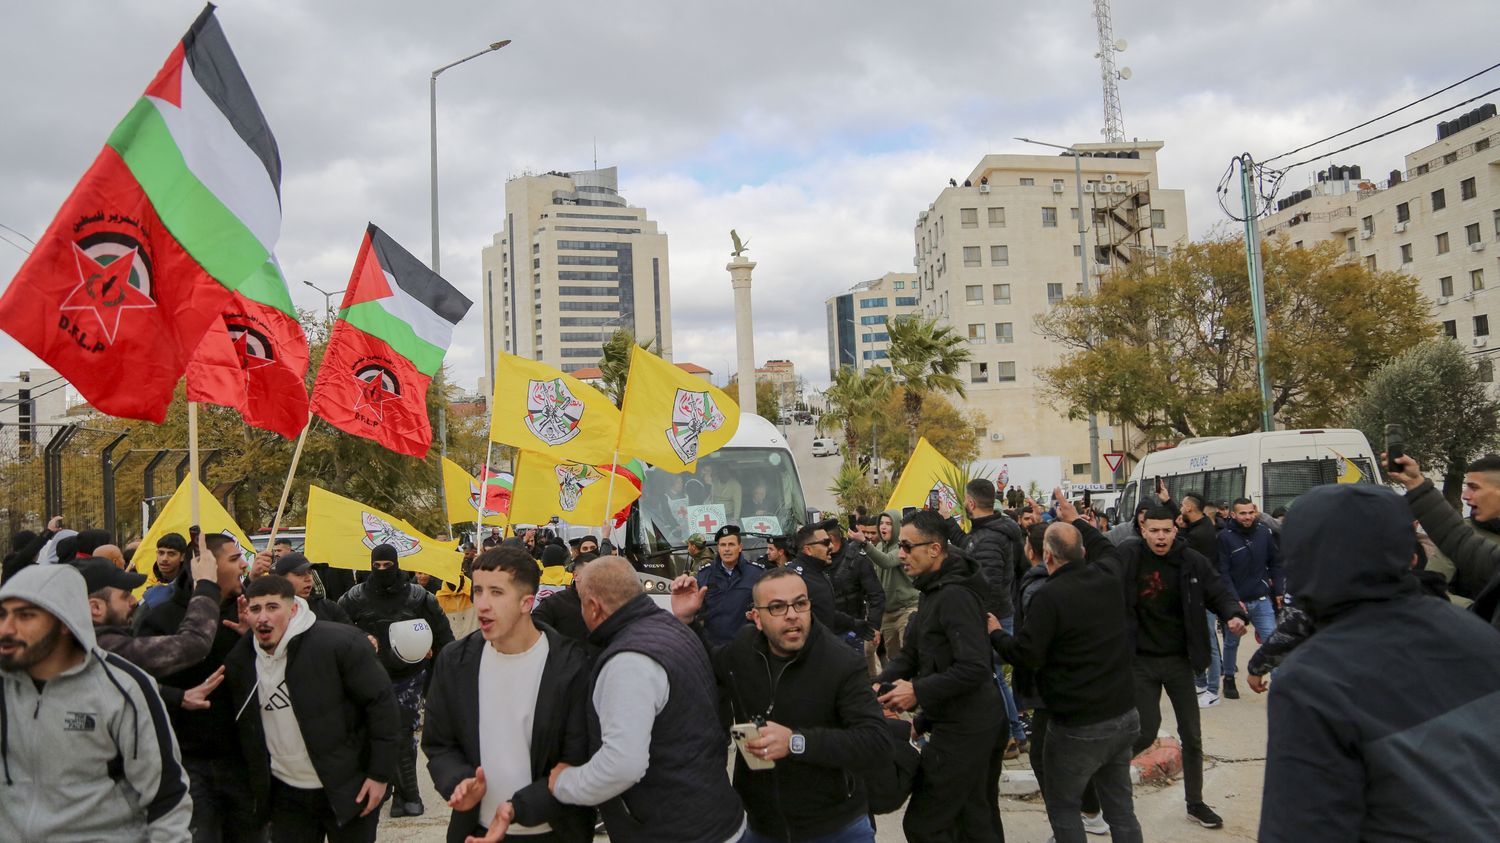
[484,493]
[192,409]
[286,488]
[609,496]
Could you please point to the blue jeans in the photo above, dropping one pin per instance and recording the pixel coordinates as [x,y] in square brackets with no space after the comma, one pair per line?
[1209,680]
[1012,714]
[858,831]
[1098,752]
[1262,617]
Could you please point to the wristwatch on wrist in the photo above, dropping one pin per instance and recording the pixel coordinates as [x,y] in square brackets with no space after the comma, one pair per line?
[798,743]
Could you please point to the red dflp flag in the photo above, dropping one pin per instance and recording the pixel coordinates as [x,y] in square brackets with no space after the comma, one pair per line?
[178,209]
[394,326]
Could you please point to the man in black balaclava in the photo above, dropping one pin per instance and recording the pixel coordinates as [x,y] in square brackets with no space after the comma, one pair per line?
[387,597]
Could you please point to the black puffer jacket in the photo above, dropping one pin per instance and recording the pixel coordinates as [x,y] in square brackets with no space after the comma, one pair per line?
[946,654]
[992,544]
[380,601]
[856,589]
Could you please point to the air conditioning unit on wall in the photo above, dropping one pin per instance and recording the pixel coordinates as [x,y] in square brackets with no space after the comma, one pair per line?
[997,437]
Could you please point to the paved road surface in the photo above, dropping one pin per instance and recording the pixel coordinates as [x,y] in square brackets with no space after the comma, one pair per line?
[817,473]
[1234,739]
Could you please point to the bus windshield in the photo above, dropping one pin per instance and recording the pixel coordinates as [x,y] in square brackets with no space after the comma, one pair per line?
[755,489]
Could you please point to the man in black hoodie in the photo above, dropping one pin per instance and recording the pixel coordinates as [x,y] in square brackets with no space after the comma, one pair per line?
[1168,586]
[811,563]
[991,543]
[1352,755]
[373,605]
[944,669]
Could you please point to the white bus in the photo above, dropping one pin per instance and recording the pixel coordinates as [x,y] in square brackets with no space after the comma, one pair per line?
[1271,469]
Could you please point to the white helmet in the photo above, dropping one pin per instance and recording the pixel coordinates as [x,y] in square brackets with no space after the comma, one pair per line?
[410,640]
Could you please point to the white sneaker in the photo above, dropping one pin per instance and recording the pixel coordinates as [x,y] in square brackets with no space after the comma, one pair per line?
[1095,824]
[1207,699]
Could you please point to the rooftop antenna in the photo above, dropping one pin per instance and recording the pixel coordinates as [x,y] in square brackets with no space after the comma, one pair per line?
[1114,129]
[596,153]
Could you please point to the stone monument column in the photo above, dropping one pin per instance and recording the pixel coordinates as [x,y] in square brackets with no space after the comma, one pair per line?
[744,333]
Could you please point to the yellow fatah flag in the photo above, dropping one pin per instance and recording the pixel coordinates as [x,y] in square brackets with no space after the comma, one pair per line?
[538,408]
[1348,471]
[177,517]
[670,418]
[342,532]
[577,493]
[462,493]
[926,472]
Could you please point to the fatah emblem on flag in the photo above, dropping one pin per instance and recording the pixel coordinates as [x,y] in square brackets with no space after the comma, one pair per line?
[571,481]
[692,414]
[379,531]
[553,413]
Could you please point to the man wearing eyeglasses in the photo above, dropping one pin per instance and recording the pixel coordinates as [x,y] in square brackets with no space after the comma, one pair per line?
[814,554]
[816,716]
[944,670]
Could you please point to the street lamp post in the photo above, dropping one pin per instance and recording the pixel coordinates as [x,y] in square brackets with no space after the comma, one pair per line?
[327,299]
[432,102]
[1083,277]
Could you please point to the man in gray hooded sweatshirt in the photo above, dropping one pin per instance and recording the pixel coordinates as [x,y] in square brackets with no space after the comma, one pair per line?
[86,751]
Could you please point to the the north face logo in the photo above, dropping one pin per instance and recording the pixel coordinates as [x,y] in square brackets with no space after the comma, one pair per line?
[79,721]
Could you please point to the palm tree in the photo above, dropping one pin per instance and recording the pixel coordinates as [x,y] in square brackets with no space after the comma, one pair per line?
[615,365]
[852,401]
[925,357]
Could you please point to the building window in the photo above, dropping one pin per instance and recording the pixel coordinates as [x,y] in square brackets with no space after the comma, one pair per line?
[976,333]
[974,294]
[906,301]
[1054,293]
[1442,243]
[968,217]
[1073,214]
[1367,225]
[1001,293]
[1486,370]
[1445,286]
[1101,255]
[1439,200]
[979,373]
[1049,218]
[1158,219]
[1005,332]
[1077,250]
[900,285]
[1403,212]
[1476,279]
[1450,158]
[1370,262]
[1405,253]
[1466,189]
[1471,233]
[872,320]
[997,217]
[971,256]
[1482,325]
[1025,182]
[868,303]
[1081,468]
[1351,246]
[1450,329]
[1497,223]
[1005,371]
[999,256]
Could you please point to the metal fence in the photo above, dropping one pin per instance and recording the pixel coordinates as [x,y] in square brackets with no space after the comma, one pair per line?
[58,469]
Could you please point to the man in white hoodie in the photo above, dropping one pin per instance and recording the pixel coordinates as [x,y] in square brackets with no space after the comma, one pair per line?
[317,719]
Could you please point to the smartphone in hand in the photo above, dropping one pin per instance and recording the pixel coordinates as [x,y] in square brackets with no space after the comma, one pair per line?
[1395,446]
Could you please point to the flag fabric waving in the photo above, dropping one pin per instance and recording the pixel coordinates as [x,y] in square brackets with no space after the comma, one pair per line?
[498,486]
[180,207]
[177,517]
[462,493]
[1348,471]
[342,532]
[577,493]
[538,408]
[254,357]
[394,326]
[670,418]
[927,473]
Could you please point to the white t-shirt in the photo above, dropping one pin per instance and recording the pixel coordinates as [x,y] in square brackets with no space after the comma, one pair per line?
[508,687]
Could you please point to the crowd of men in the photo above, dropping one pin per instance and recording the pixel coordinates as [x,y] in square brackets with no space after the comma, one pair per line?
[891,660]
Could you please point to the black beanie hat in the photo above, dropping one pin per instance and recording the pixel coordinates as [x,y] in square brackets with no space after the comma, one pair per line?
[384,553]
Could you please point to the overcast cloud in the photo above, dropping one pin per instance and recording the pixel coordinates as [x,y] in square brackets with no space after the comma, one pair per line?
[817,129]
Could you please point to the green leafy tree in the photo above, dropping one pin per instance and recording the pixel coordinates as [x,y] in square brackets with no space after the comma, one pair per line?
[950,431]
[615,364]
[1434,391]
[925,358]
[1170,348]
[852,402]
[767,402]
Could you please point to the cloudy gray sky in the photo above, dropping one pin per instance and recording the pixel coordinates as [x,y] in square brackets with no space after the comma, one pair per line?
[819,128]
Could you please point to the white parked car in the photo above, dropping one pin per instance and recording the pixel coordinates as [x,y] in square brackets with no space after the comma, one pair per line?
[825,447]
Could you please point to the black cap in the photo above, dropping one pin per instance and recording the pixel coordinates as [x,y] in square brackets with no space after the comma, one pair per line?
[726,530]
[575,543]
[99,572]
[291,563]
[172,541]
[554,555]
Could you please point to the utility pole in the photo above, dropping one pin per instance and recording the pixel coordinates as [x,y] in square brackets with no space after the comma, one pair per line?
[1257,277]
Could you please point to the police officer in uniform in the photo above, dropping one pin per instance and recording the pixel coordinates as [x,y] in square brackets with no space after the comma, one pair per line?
[389,597]
[729,580]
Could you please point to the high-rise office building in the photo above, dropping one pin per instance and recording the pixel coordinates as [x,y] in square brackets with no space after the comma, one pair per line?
[573,263]
[857,319]
[1002,248]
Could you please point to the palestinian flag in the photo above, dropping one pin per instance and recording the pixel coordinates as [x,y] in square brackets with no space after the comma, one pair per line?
[627,476]
[254,357]
[394,326]
[498,486]
[178,210]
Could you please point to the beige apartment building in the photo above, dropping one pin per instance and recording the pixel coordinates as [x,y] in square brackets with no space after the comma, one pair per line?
[1437,219]
[781,375]
[573,263]
[856,320]
[1000,249]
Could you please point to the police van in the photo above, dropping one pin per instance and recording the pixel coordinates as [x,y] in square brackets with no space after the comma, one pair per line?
[1272,468]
